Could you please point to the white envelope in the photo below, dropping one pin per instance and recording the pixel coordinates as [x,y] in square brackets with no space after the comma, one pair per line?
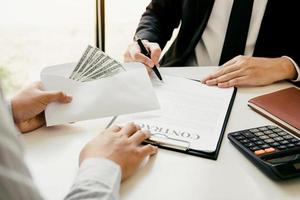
[124,93]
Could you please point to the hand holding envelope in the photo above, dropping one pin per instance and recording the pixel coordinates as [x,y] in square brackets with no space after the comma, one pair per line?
[127,92]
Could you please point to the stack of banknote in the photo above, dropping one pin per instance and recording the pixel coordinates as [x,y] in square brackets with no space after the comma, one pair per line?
[95,64]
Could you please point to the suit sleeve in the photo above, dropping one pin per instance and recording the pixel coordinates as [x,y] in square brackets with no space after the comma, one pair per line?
[159,20]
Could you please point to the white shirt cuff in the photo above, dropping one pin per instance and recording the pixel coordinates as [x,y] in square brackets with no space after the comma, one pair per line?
[296,67]
[98,178]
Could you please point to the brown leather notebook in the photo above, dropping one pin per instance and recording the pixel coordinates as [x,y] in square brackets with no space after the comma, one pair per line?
[282,107]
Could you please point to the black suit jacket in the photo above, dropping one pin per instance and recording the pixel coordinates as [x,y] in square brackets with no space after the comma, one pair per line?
[279,33]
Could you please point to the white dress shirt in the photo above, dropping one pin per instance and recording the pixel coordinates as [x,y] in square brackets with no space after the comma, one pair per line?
[97,178]
[208,50]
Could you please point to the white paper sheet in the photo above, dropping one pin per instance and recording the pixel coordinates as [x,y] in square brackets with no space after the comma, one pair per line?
[190,111]
[127,92]
[192,72]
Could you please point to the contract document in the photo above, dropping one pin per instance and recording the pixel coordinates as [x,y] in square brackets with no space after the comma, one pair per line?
[192,115]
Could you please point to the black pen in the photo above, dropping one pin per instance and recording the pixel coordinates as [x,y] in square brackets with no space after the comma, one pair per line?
[146,53]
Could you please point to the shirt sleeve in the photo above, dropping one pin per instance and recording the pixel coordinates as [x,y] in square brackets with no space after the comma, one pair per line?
[9,108]
[15,179]
[97,178]
[11,117]
[296,67]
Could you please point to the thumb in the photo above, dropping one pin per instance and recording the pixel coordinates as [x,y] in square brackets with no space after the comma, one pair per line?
[52,96]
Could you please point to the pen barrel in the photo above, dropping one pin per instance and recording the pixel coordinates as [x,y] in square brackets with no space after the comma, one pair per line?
[143,48]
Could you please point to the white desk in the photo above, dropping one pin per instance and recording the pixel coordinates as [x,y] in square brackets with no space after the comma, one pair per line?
[52,154]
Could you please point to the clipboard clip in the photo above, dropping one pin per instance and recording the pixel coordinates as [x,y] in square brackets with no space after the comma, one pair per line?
[159,139]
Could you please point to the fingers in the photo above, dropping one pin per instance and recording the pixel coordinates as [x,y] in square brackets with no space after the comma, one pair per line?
[240,81]
[129,129]
[223,70]
[52,96]
[133,53]
[148,150]
[227,67]
[155,52]
[114,128]
[136,55]
[140,136]
[225,77]
[31,124]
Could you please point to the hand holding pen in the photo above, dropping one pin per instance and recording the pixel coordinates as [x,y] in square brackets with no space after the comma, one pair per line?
[150,57]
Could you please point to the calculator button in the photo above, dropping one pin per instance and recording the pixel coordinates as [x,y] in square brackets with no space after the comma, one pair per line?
[269,141]
[263,137]
[259,152]
[294,140]
[273,135]
[271,127]
[288,137]
[268,132]
[235,134]
[265,146]
[269,150]
[282,133]
[263,128]
[259,142]
[275,144]
[250,144]
[291,145]
[254,130]
[254,139]
[248,135]
[298,144]
[255,148]
[281,147]
[284,142]
[277,130]
[245,141]
[278,138]
[240,137]
[258,133]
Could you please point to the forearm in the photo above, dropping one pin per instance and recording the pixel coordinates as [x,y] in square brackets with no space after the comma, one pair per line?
[159,20]
[97,178]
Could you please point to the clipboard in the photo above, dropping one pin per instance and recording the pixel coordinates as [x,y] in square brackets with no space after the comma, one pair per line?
[210,143]
[182,146]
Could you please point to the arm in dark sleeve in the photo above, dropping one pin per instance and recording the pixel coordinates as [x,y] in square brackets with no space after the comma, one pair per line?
[159,20]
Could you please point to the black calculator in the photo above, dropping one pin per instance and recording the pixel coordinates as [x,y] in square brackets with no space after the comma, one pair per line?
[272,149]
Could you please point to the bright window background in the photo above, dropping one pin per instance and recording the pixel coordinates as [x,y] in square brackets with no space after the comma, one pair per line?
[122,17]
[38,33]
